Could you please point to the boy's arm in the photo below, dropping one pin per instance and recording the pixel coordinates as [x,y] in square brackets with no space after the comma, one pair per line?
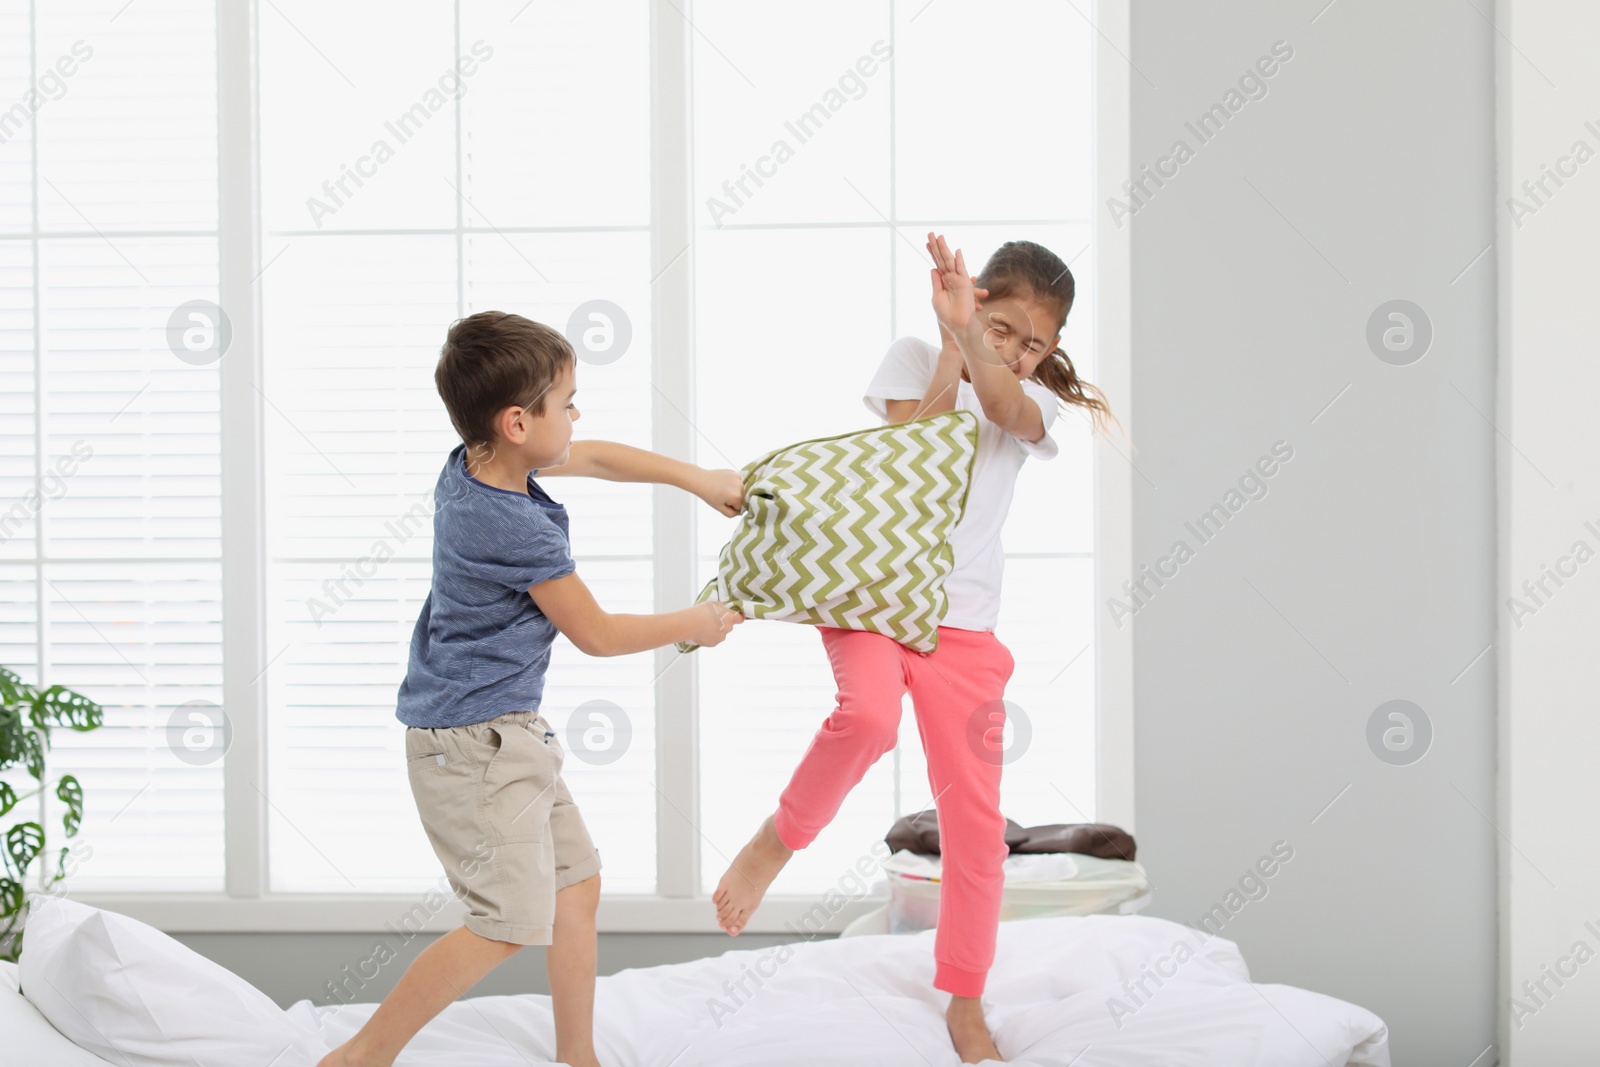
[567,602]
[722,489]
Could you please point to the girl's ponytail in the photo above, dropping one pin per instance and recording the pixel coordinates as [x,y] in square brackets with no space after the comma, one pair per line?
[1057,374]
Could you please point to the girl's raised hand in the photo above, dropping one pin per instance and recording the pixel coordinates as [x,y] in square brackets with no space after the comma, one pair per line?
[955,293]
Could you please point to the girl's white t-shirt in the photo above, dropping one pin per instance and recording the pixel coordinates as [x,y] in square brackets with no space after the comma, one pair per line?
[973,587]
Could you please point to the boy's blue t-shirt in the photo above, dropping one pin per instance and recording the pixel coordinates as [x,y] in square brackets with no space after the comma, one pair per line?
[481,645]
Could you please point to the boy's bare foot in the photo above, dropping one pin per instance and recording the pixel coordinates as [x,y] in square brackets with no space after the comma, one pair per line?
[745,883]
[345,1056]
[969,1032]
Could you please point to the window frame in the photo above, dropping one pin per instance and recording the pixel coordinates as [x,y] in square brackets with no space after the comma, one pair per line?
[247,904]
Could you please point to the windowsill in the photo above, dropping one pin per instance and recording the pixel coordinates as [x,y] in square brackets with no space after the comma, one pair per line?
[182,913]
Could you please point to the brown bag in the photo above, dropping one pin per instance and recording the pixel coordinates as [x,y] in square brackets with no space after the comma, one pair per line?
[920,833]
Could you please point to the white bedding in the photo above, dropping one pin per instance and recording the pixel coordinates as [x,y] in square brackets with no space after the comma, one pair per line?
[869,1001]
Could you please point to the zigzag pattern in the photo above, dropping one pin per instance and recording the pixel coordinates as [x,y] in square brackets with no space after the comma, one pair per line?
[853,530]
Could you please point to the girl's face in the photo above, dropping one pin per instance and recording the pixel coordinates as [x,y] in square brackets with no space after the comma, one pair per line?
[1019,332]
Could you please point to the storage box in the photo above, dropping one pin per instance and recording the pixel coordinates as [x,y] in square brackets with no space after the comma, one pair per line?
[1036,886]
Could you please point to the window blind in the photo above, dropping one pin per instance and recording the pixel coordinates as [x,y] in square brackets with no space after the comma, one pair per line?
[108,216]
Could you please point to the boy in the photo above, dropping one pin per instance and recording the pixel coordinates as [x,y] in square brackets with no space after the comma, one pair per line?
[484,765]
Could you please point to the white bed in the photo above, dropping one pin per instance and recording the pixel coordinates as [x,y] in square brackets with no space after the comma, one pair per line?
[862,1001]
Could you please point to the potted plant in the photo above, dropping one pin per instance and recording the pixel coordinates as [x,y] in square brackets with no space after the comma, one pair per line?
[26,715]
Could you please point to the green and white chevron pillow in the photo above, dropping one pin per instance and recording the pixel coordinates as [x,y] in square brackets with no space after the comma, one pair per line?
[852,531]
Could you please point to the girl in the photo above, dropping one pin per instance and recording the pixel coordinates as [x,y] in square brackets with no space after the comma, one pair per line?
[1001,362]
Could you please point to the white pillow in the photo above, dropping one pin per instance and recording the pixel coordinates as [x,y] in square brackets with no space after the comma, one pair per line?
[28,1036]
[130,994]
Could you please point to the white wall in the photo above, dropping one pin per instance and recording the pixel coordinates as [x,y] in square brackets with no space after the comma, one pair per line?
[1367,572]
[1549,459]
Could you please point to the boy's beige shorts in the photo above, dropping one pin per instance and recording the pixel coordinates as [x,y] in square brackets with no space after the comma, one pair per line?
[501,821]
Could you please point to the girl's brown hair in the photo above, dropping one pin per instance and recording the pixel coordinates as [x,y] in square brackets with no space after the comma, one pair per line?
[1022,268]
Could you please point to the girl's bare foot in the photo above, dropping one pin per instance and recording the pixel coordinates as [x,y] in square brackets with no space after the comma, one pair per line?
[585,1060]
[969,1032]
[745,883]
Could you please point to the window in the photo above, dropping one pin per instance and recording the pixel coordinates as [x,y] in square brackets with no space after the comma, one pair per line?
[481,155]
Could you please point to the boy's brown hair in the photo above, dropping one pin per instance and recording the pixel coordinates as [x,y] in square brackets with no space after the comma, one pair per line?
[494,360]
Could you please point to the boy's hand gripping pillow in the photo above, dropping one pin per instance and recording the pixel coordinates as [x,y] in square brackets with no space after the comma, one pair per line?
[852,531]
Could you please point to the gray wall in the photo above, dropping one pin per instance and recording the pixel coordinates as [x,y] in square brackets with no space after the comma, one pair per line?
[1366,573]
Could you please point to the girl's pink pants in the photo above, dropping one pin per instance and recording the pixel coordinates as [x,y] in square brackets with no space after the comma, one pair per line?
[956,690]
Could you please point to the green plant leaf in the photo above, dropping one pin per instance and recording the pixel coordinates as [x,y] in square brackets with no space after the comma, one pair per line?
[14,923]
[10,896]
[71,793]
[13,902]
[13,736]
[8,797]
[63,707]
[20,744]
[24,841]
[13,690]
[33,743]
[61,867]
